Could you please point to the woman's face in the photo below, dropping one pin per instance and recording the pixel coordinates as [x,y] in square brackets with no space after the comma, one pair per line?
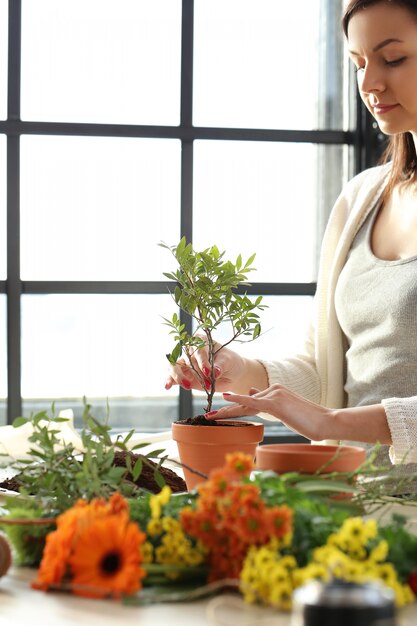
[382,41]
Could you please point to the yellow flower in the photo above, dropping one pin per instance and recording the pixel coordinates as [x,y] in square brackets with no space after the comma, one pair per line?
[266,577]
[403,595]
[154,527]
[281,595]
[158,500]
[312,571]
[386,572]
[356,531]
[194,557]
[380,552]
[288,562]
[171,525]
[147,552]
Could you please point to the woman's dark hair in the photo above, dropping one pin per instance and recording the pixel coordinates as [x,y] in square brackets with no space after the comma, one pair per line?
[400,149]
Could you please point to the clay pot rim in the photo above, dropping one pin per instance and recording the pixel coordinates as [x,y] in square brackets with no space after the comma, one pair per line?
[316,449]
[194,434]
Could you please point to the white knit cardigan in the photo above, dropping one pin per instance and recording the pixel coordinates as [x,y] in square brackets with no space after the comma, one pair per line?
[318,373]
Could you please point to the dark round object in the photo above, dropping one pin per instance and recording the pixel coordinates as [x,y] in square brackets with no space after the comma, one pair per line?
[344,604]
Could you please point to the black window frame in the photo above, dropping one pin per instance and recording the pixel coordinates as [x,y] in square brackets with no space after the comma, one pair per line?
[365,139]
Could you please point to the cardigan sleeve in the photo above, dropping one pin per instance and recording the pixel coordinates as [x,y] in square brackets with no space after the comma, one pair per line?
[402,422]
[299,372]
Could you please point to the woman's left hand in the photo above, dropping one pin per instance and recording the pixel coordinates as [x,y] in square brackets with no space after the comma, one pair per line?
[306,418]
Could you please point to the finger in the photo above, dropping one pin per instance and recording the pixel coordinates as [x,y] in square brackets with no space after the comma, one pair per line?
[200,358]
[169,383]
[253,403]
[181,374]
[253,391]
[229,412]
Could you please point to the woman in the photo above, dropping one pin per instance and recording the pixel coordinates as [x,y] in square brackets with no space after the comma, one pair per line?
[357,379]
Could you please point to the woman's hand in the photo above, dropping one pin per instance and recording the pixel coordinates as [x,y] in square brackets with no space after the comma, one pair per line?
[306,418]
[362,423]
[231,370]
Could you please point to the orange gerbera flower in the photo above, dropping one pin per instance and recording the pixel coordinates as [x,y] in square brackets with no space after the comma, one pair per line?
[95,548]
[54,561]
[106,558]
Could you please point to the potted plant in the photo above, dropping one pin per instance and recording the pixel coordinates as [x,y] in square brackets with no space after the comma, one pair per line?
[207,290]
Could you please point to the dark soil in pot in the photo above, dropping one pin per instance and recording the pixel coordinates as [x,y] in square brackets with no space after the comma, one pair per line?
[200,420]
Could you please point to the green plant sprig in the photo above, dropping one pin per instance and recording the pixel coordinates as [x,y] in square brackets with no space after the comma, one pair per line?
[206,289]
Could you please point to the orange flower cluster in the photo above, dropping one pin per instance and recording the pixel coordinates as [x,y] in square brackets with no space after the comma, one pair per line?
[95,551]
[231,515]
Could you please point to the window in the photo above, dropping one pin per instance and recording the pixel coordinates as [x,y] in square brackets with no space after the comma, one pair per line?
[123,123]
[3,59]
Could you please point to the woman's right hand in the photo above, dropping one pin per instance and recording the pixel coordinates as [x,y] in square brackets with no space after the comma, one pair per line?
[232,372]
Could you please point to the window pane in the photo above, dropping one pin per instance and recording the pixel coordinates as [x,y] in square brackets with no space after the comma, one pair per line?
[102,347]
[268,64]
[251,197]
[101,61]
[3,200]
[96,208]
[3,58]
[3,359]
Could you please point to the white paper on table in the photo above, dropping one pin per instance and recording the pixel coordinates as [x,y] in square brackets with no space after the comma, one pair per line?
[15,444]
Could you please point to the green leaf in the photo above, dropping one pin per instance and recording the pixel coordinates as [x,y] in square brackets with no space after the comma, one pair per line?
[176,353]
[137,469]
[137,446]
[321,485]
[156,453]
[257,331]
[159,479]
[170,276]
[19,421]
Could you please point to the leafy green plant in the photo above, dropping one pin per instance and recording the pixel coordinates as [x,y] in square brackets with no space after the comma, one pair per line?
[207,290]
[59,474]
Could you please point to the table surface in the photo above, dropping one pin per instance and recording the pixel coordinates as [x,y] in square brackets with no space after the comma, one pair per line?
[22,606]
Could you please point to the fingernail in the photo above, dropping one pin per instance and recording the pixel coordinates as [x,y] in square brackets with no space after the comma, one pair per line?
[207,384]
[168,385]
[227,394]
[206,372]
[210,413]
[217,371]
[185,384]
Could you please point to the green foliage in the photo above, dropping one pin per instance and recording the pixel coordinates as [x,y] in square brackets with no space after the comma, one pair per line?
[319,510]
[59,474]
[402,546]
[27,540]
[206,289]
[140,510]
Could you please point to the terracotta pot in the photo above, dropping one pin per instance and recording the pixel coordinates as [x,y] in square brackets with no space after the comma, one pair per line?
[309,458]
[204,448]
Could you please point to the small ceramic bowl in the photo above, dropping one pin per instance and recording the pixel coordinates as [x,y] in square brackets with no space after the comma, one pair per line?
[308,458]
